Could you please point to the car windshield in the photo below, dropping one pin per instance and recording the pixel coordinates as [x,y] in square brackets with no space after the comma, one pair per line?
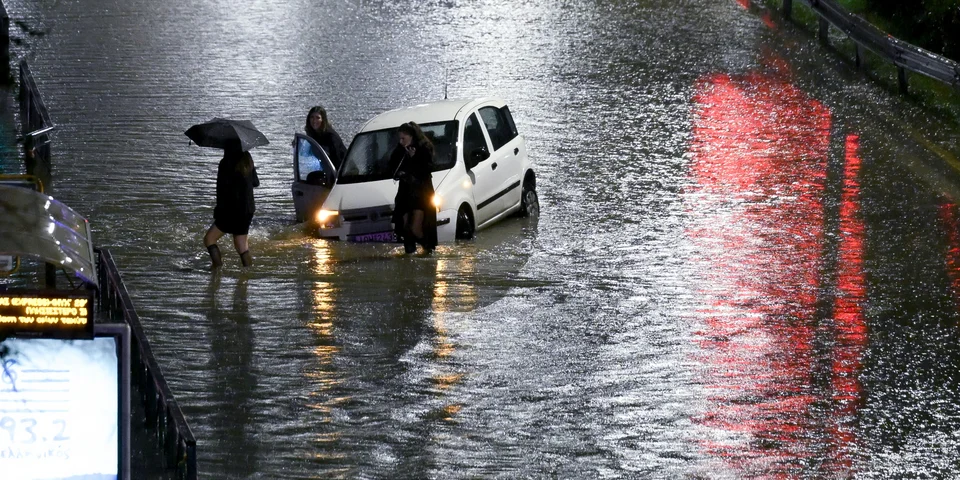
[369,156]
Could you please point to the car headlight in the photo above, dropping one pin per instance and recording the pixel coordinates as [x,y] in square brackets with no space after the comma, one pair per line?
[327,217]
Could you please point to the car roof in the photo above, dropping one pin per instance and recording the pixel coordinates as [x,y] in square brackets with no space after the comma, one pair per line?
[438,111]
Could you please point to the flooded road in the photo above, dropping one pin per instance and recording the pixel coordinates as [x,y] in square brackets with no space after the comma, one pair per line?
[747,263]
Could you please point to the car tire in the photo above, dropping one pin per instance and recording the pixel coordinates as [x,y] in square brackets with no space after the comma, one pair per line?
[529,202]
[465,226]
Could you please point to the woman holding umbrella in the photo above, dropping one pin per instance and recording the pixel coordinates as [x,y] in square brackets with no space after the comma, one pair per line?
[236,179]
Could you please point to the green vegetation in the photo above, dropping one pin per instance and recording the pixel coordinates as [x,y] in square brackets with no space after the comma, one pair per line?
[931,24]
[931,94]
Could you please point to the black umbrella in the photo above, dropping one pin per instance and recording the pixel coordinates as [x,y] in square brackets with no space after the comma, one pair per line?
[220,132]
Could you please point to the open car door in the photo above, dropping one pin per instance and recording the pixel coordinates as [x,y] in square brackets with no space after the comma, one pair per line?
[313,176]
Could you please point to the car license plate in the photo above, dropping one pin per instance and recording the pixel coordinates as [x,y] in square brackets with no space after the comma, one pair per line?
[374,237]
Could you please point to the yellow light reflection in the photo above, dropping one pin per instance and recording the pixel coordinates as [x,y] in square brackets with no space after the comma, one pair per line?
[327,437]
[445,381]
[443,349]
[325,353]
[323,306]
[324,329]
[440,300]
[450,410]
[323,258]
[441,305]
[323,376]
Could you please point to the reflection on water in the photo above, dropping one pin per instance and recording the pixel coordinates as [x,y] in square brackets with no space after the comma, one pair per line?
[743,268]
[231,364]
[848,335]
[760,167]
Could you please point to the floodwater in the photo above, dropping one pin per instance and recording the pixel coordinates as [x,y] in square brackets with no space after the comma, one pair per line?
[747,263]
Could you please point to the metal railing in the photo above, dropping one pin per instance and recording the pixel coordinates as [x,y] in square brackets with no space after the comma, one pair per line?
[35,125]
[903,55]
[163,414]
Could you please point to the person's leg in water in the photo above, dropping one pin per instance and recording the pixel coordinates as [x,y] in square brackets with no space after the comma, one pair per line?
[416,224]
[409,241]
[416,227]
[210,241]
[240,243]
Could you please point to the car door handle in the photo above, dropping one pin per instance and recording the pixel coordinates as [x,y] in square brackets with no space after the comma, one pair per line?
[494,166]
[516,150]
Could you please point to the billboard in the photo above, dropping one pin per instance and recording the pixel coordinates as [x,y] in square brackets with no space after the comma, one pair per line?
[46,313]
[64,406]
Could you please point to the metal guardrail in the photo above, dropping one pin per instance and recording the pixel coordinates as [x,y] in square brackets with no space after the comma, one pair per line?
[34,115]
[163,413]
[903,55]
[35,126]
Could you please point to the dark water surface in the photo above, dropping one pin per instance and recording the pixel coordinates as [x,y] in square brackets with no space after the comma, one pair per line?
[747,265]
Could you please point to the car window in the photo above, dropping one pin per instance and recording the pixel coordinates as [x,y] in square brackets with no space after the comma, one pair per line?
[497,126]
[308,159]
[369,156]
[472,136]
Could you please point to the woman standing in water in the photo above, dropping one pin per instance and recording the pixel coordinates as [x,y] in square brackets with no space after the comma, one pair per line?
[414,215]
[236,179]
[318,127]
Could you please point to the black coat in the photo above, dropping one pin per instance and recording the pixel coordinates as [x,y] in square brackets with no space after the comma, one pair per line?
[234,192]
[330,141]
[415,191]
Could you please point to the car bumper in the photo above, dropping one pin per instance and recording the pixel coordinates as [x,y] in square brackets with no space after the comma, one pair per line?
[374,225]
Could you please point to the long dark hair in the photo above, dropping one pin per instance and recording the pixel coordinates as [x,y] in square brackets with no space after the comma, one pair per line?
[419,139]
[243,159]
[245,164]
[324,125]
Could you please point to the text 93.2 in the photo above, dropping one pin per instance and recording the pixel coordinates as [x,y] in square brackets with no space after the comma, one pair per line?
[27,430]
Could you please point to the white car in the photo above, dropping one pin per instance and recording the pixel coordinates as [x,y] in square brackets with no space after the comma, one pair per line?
[481,173]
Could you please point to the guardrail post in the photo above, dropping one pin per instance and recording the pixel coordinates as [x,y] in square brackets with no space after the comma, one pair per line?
[787,8]
[902,79]
[824,31]
[5,77]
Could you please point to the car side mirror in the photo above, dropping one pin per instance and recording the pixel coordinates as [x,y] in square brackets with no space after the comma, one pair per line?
[477,155]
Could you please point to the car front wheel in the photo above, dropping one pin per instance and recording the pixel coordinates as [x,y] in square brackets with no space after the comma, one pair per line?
[529,202]
[465,227]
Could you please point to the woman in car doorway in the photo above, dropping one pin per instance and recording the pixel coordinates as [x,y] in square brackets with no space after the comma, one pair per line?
[414,215]
[318,127]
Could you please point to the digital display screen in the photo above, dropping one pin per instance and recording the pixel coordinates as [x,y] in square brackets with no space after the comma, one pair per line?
[56,314]
[59,408]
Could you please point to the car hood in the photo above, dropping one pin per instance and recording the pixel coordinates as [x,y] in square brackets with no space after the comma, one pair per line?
[350,196]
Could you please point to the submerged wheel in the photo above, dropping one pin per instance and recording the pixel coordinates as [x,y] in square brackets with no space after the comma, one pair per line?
[529,202]
[465,227]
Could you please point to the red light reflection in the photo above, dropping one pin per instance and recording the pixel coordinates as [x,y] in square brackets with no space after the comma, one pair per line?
[758,172]
[951,223]
[849,323]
